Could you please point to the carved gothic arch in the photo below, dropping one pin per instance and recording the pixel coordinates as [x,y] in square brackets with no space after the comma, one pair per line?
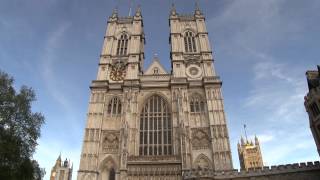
[126,32]
[107,168]
[108,161]
[146,97]
[202,161]
[189,29]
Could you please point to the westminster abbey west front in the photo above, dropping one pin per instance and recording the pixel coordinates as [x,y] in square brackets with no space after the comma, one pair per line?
[154,124]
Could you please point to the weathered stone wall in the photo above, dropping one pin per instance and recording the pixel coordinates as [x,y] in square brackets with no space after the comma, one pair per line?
[302,171]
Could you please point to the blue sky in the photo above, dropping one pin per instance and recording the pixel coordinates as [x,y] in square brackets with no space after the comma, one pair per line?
[261,48]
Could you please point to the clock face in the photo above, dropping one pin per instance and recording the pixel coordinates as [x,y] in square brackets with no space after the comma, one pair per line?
[193,71]
[118,71]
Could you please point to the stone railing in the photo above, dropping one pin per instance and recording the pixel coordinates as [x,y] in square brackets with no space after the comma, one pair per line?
[160,77]
[126,19]
[153,158]
[186,16]
[97,83]
[305,168]
[212,79]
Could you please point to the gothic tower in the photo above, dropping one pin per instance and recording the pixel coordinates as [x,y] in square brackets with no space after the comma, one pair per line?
[198,88]
[152,123]
[61,170]
[250,154]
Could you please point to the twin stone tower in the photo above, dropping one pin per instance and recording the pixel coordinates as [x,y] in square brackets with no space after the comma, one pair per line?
[155,124]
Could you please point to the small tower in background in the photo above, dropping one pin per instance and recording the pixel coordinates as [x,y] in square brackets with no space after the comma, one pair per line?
[312,104]
[61,170]
[249,153]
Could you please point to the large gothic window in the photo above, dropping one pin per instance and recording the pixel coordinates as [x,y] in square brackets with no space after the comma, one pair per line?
[114,106]
[122,45]
[155,128]
[189,42]
[197,104]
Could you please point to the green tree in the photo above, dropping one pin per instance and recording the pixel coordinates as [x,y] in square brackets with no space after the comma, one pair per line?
[19,131]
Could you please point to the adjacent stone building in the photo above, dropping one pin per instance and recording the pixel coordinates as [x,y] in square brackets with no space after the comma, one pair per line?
[312,104]
[155,124]
[250,156]
[61,170]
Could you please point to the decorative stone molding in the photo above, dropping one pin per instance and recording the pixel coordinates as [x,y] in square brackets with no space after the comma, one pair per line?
[110,142]
[202,161]
[154,170]
[153,158]
[200,138]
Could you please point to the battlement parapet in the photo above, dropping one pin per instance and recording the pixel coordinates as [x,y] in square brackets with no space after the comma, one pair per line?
[256,172]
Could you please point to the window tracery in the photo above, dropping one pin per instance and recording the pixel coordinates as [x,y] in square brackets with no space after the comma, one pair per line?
[189,42]
[197,104]
[114,107]
[122,45]
[155,128]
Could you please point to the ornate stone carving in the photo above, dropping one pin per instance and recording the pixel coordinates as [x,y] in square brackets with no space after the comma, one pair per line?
[110,143]
[157,158]
[202,161]
[200,138]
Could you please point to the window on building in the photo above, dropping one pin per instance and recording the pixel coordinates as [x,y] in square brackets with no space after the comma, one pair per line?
[314,109]
[155,70]
[197,104]
[155,128]
[122,45]
[114,106]
[189,42]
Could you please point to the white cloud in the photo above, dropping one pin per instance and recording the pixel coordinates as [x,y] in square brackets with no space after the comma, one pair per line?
[248,34]
[48,66]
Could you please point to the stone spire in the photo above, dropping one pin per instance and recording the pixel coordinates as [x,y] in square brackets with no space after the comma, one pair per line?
[138,11]
[256,141]
[58,161]
[197,8]
[115,12]
[173,10]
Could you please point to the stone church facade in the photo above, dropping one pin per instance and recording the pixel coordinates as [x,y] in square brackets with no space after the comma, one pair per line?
[154,124]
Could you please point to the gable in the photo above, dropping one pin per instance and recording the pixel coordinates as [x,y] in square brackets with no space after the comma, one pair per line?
[155,68]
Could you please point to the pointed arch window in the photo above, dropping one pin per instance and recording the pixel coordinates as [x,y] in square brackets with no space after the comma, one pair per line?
[155,70]
[155,128]
[122,45]
[197,104]
[189,42]
[114,107]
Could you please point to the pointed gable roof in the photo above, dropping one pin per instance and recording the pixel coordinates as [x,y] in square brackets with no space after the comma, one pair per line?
[155,65]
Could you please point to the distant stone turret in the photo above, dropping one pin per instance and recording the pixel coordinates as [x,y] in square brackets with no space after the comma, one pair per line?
[250,154]
[61,171]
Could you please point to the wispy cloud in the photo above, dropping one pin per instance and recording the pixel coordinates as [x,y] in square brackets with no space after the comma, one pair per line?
[48,65]
[250,32]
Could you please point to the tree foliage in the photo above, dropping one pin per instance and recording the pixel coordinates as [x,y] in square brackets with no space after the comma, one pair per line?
[19,131]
